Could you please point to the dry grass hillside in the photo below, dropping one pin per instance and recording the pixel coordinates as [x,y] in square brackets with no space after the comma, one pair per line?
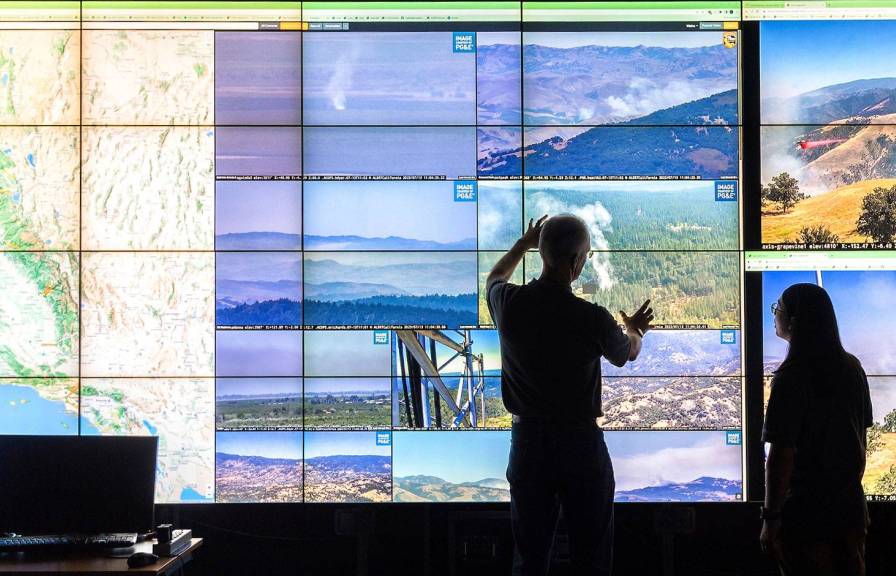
[879,462]
[837,210]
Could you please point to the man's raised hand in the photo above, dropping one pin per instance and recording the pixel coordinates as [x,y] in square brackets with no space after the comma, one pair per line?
[530,238]
[641,320]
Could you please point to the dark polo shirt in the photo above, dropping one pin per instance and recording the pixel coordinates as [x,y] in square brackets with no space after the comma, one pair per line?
[551,346]
[824,417]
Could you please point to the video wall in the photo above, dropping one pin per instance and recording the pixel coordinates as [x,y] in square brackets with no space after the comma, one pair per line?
[261,230]
[828,193]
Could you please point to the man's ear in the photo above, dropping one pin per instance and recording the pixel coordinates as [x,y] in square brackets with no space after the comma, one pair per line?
[578,266]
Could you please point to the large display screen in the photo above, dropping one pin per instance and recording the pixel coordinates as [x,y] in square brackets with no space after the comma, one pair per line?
[828,202]
[261,231]
[861,285]
[827,139]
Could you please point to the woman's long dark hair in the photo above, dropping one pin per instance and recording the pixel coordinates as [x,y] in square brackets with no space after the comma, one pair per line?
[814,336]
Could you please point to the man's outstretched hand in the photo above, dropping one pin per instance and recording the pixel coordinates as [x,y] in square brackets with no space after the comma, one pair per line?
[529,240]
[641,320]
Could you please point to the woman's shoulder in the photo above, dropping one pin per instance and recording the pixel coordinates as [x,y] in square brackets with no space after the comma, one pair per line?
[853,362]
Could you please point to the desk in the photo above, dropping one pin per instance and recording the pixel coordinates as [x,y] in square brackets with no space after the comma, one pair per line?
[87,564]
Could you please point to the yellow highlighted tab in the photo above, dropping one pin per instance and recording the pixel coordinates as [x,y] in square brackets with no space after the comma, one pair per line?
[293,26]
[730,25]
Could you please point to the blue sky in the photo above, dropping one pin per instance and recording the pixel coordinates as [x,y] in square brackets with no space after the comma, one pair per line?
[863,302]
[456,456]
[264,444]
[773,285]
[485,342]
[324,385]
[380,209]
[343,444]
[345,353]
[257,386]
[258,353]
[258,206]
[258,78]
[800,56]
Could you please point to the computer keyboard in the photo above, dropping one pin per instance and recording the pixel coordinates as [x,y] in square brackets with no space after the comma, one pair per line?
[25,543]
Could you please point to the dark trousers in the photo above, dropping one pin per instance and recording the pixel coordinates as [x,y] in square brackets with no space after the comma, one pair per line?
[840,556]
[569,463]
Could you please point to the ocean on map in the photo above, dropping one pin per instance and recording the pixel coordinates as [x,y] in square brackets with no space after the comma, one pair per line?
[24,411]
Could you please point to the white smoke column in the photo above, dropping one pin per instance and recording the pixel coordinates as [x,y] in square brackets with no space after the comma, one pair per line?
[597,218]
[341,79]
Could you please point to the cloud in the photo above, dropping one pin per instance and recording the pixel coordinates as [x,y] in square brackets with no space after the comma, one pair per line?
[708,458]
[645,96]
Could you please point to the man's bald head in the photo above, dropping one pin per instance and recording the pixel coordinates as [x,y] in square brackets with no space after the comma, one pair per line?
[563,239]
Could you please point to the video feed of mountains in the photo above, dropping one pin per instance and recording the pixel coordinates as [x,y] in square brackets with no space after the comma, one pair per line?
[828,135]
[295,230]
[593,105]
[620,104]
[864,316]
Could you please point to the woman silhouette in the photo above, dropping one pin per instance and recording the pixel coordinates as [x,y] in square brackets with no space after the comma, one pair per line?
[815,516]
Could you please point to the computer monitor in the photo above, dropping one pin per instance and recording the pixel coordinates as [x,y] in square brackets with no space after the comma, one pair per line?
[77,484]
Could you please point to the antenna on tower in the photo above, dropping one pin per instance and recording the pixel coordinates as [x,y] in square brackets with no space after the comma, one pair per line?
[425,388]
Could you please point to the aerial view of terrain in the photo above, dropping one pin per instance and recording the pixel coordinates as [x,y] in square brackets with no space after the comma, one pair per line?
[258,467]
[347,467]
[450,466]
[686,288]
[828,146]
[683,353]
[648,103]
[659,215]
[390,288]
[252,403]
[498,77]
[880,467]
[258,289]
[347,403]
[672,402]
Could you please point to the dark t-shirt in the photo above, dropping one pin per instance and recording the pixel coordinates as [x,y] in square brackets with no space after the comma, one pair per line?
[551,345]
[824,417]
